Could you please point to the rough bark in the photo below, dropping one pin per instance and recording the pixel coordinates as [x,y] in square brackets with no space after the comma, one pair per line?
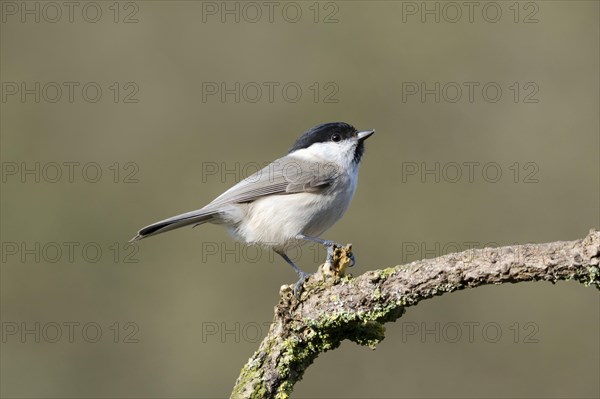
[334,307]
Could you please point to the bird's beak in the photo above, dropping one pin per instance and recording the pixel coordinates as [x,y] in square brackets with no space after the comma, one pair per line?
[362,136]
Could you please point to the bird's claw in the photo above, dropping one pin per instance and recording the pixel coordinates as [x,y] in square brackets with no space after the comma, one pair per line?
[331,246]
[298,287]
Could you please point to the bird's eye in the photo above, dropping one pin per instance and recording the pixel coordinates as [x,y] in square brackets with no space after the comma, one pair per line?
[336,137]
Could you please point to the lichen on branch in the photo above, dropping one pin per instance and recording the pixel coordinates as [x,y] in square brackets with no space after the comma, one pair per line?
[334,307]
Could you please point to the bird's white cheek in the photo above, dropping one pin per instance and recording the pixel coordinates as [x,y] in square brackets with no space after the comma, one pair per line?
[340,154]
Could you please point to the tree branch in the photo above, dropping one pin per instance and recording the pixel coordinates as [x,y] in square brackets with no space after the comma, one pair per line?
[335,307]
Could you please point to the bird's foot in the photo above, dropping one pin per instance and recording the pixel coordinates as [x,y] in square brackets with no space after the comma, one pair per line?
[331,247]
[299,286]
[331,251]
[339,258]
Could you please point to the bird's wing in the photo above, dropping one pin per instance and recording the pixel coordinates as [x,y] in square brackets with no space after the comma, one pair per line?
[287,175]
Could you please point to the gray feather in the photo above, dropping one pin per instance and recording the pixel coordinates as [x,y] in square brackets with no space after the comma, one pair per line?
[195,217]
[287,175]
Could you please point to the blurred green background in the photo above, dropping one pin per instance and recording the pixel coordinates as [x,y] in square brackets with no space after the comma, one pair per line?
[179,315]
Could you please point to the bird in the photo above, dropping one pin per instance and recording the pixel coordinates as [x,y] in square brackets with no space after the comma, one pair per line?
[291,201]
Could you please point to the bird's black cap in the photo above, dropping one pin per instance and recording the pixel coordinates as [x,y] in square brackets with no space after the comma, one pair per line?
[323,133]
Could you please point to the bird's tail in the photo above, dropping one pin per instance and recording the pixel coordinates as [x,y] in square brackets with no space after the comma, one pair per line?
[195,217]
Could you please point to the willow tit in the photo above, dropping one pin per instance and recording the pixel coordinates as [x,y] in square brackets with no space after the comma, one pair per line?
[292,200]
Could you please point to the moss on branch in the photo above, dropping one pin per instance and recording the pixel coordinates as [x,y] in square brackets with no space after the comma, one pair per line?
[334,307]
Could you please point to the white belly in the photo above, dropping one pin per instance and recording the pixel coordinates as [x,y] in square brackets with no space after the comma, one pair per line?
[275,221]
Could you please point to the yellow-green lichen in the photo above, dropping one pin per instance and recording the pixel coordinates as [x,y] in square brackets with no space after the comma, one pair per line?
[387,272]
[377,294]
[251,372]
[593,276]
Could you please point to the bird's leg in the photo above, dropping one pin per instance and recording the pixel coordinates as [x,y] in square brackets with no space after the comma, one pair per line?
[301,274]
[330,245]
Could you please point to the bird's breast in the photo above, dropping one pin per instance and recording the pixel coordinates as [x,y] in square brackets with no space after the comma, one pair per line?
[276,220]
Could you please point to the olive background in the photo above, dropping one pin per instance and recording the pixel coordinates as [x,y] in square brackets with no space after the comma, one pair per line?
[191,306]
